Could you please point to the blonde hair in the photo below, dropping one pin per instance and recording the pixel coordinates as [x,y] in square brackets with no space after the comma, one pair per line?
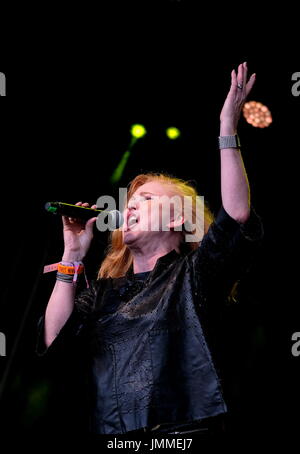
[118,256]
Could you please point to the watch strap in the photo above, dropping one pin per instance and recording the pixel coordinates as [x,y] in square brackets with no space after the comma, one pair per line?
[229,142]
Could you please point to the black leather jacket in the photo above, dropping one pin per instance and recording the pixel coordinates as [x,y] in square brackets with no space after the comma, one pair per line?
[150,362]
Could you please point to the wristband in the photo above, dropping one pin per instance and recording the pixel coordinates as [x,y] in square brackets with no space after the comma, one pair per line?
[67,271]
[229,142]
[64,277]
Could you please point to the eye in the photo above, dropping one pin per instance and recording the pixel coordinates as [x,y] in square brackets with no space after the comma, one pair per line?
[142,198]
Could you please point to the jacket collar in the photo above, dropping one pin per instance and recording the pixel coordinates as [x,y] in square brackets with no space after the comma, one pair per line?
[160,264]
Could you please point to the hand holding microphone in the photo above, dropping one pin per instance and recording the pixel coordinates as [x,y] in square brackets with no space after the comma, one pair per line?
[78,223]
[78,235]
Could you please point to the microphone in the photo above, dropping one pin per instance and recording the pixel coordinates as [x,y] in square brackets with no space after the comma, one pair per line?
[115,217]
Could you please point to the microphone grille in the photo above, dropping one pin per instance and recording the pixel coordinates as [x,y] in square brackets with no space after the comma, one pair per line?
[115,219]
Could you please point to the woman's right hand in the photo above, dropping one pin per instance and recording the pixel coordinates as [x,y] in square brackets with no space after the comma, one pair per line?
[78,235]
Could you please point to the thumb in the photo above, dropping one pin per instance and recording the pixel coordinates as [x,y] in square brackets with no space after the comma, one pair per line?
[250,84]
[89,225]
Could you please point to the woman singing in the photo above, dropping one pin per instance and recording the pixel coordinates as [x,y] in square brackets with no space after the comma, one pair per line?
[143,322]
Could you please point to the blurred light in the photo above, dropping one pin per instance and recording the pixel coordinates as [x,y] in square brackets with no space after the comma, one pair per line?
[173,133]
[257,114]
[138,131]
[118,172]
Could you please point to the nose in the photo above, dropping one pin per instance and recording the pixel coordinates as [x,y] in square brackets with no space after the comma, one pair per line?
[132,204]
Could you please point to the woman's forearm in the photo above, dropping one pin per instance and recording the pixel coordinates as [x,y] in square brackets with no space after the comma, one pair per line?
[59,309]
[235,189]
[234,182]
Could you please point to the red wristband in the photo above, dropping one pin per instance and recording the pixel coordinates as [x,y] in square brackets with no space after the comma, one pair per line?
[64,269]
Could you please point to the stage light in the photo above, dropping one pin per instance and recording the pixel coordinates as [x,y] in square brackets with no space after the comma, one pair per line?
[173,133]
[138,131]
[257,114]
[119,170]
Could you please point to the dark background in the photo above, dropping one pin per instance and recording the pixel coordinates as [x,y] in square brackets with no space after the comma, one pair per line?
[76,82]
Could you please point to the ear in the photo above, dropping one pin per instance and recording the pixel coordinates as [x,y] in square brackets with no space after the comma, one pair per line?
[177,223]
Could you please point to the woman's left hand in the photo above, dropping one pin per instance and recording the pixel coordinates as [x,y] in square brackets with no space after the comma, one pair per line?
[235,100]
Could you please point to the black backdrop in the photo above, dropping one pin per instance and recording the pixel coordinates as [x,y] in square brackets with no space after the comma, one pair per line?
[74,87]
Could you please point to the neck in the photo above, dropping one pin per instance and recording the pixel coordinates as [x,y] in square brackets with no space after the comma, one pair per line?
[146,260]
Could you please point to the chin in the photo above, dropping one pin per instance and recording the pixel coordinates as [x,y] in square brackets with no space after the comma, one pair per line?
[128,237]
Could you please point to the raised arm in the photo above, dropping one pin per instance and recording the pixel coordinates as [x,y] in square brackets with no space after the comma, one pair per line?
[235,189]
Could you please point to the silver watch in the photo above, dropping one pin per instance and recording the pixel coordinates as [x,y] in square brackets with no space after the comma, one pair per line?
[229,142]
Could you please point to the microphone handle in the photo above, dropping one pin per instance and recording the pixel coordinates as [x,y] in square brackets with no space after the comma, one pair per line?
[72,211]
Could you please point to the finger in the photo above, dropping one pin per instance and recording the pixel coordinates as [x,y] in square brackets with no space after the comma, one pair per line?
[233,76]
[90,221]
[250,84]
[245,72]
[233,81]
[240,74]
[77,220]
[85,204]
[89,225]
[94,207]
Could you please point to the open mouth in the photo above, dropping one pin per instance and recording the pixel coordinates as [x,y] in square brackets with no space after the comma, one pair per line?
[132,220]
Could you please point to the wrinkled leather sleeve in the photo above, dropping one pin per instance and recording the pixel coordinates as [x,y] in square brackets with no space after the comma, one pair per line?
[74,326]
[225,254]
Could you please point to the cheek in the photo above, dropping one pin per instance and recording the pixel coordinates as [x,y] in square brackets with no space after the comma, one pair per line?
[148,217]
[145,218]
[165,214]
[156,216]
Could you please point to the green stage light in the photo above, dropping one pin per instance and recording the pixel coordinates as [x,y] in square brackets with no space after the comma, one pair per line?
[118,172]
[173,133]
[138,131]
